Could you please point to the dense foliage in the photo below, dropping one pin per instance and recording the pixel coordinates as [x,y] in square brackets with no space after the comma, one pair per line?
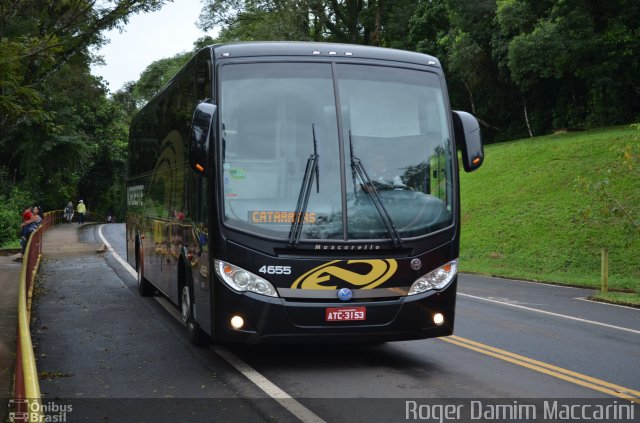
[523,67]
[61,138]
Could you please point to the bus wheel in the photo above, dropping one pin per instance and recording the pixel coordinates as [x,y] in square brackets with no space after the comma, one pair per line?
[144,286]
[195,334]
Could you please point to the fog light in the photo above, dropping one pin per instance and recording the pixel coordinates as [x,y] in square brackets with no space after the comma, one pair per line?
[237,322]
[438,319]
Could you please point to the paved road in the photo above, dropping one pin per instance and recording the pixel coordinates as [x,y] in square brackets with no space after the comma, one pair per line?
[112,356]
[514,342]
[553,324]
[8,323]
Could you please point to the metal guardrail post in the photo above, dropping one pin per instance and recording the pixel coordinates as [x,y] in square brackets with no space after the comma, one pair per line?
[604,270]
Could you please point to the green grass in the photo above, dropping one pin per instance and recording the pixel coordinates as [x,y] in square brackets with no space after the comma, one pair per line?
[10,245]
[525,216]
[630,299]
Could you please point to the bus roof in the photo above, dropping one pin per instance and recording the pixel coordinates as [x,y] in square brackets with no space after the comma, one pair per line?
[313,49]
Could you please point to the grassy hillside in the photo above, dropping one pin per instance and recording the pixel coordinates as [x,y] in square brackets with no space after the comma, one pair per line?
[526,215]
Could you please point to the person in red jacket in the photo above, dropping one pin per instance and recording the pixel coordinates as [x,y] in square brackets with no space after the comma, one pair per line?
[30,221]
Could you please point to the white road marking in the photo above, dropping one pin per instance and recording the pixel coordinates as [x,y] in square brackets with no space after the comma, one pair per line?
[120,260]
[554,285]
[284,399]
[605,304]
[288,402]
[564,316]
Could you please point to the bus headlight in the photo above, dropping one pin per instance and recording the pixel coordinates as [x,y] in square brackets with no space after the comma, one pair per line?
[240,280]
[436,279]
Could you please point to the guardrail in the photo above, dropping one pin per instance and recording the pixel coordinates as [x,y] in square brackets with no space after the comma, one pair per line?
[27,397]
[27,386]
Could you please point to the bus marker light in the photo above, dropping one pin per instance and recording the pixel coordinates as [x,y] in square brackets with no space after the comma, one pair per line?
[237,322]
[199,167]
[438,319]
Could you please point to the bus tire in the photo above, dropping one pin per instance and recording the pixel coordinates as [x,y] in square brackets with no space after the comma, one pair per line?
[195,334]
[144,286]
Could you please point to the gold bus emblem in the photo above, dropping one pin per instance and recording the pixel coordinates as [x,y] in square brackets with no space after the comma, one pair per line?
[327,275]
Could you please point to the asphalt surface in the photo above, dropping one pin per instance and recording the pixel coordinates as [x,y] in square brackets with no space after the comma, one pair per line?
[584,336]
[9,279]
[114,356]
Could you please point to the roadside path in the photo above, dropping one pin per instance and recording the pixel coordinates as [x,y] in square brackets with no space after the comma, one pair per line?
[60,241]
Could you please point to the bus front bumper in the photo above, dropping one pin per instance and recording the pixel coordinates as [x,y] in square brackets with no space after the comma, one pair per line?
[277,320]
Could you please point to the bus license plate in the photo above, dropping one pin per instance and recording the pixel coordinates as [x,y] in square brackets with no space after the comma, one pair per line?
[341,314]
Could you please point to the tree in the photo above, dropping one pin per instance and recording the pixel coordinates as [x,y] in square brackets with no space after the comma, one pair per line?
[258,20]
[50,104]
[428,24]
[521,66]
[579,52]
[155,76]
[38,38]
[373,22]
[460,35]
[125,99]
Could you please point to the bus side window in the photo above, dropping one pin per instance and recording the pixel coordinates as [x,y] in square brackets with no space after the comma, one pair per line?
[203,77]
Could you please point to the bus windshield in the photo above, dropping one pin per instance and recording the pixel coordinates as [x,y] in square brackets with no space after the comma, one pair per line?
[388,121]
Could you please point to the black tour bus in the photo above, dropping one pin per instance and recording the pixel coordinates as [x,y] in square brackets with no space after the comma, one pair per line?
[301,192]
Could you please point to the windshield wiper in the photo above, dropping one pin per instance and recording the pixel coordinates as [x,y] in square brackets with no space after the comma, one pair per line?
[357,168]
[310,172]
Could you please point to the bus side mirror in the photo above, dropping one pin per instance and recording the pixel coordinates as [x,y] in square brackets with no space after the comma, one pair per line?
[467,132]
[201,130]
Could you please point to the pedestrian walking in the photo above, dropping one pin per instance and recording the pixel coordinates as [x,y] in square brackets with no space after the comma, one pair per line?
[68,212]
[81,209]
